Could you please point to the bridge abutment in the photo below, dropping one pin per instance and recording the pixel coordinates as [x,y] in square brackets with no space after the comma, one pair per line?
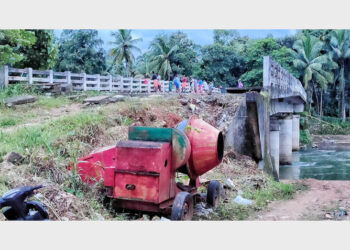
[286,139]
[275,144]
[296,132]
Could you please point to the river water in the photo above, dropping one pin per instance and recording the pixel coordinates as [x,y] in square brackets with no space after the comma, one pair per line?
[319,164]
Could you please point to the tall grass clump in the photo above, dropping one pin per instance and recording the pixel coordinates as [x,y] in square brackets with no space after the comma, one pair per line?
[26,139]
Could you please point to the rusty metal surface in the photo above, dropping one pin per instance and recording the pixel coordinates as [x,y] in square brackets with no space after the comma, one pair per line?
[148,168]
[181,149]
[206,144]
[139,144]
[91,168]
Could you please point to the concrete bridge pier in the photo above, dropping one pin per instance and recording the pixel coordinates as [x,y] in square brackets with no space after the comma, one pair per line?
[286,139]
[296,132]
[275,144]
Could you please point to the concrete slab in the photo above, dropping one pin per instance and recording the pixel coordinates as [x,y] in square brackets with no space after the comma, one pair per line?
[74,97]
[97,99]
[117,98]
[18,100]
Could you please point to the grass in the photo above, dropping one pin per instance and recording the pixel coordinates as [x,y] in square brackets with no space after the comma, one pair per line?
[27,139]
[50,102]
[261,198]
[15,90]
[305,137]
[329,126]
[9,121]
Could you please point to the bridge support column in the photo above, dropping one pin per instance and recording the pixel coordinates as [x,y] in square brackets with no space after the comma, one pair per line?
[286,139]
[296,132]
[275,144]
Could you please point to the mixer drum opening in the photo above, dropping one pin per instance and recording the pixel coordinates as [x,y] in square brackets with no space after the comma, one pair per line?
[220,147]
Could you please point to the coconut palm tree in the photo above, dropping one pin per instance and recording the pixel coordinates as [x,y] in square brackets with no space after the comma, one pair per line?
[122,53]
[311,62]
[162,53]
[340,44]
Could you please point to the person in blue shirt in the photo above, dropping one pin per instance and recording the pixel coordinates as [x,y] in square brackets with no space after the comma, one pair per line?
[200,84]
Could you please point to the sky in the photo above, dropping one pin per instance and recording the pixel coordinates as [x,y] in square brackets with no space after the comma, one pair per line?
[200,36]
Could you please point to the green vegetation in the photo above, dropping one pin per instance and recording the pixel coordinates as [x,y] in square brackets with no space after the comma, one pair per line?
[49,102]
[305,137]
[11,44]
[42,54]
[81,51]
[254,60]
[43,136]
[15,90]
[330,126]
[163,51]
[122,54]
[271,191]
[8,121]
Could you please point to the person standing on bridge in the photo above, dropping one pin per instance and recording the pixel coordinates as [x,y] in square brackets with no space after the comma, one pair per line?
[159,83]
[200,84]
[205,86]
[195,86]
[171,79]
[240,84]
[184,83]
[177,84]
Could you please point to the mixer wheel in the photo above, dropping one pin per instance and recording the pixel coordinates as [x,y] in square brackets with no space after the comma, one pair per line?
[213,193]
[182,207]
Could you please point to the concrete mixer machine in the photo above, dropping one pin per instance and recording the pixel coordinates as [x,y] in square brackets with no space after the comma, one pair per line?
[140,173]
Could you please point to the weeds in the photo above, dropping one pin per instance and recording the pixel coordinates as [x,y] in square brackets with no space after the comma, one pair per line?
[50,102]
[8,121]
[329,126]
[261,197]
[26,139]
[305,137]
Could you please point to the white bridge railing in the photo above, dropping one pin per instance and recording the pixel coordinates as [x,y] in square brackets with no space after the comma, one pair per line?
[82,81]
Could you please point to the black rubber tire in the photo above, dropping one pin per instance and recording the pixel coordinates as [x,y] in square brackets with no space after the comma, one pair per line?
[41,214]
[34,205]
[182,207]
[10,213]
[213,193]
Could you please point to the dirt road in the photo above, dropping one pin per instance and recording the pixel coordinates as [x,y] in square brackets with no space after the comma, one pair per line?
[319,202]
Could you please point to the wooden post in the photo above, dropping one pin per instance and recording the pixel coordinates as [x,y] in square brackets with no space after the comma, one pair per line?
[30,75]
[69,81]
[84,81]
[121,84]
[4,76]
[140,85]
[131,84]
[149,86]
[50,76]
[98,79]
[110,82]
[163,88]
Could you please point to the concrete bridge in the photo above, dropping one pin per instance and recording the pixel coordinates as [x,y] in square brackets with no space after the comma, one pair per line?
[267,124]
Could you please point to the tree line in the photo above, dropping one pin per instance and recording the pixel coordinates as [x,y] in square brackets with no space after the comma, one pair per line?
[319,58]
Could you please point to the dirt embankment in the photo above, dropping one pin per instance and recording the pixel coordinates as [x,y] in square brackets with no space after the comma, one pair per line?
[331,141]
[322,200]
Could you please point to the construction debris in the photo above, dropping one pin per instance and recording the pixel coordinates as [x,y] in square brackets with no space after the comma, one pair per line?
[97,99]
[117,98]
[14,158]
[242,201]
[18,100]
[75,97]
[104,99]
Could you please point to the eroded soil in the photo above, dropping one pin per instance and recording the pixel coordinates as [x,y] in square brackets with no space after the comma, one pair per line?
[319,202]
